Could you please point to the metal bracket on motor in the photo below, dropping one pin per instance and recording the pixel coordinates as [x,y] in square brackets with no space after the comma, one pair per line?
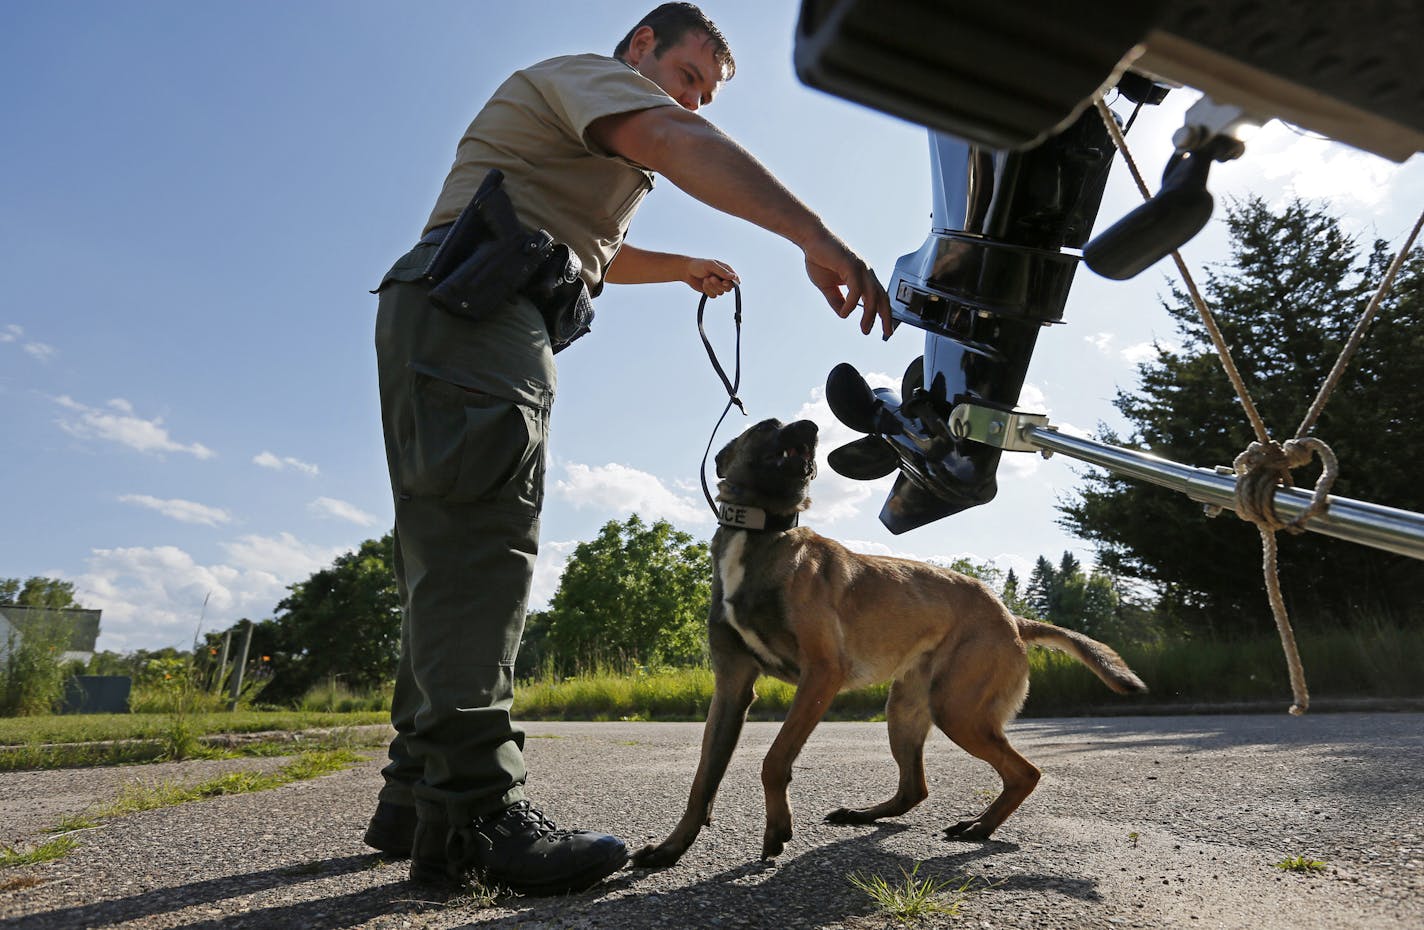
[1002,429]
[1180,209]
[1207,120]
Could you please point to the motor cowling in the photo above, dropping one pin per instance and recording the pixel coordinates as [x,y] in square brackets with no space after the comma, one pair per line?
[996,268]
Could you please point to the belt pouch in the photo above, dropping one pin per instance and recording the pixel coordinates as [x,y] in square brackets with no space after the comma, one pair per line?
[562,298]
[490,276]
[570,318]
[467,232]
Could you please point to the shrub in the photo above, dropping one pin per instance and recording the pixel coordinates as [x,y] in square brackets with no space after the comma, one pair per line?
[31,676]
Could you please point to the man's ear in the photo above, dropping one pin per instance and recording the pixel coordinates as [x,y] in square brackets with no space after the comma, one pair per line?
[642,43]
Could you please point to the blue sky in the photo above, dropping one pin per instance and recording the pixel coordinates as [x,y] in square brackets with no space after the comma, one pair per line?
[195,199]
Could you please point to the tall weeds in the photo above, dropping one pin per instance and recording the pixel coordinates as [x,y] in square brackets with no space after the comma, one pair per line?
[1366,662]
[31,676]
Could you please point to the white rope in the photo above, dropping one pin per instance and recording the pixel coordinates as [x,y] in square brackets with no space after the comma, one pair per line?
[1266,464]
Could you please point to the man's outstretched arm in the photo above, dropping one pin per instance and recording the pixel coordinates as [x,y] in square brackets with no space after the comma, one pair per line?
[709,165]
[642,266]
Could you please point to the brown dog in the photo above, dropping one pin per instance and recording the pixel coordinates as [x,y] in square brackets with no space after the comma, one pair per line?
[791,604]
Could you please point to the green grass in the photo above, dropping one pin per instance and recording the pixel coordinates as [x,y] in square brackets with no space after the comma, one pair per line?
[121,739]
[56,848]
[913,898]
[78,728]
[334,697]
[670,694]
[1300,864]
[136,798]
[1378,662]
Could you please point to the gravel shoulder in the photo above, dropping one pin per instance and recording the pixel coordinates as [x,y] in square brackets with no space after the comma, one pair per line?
[1145,822]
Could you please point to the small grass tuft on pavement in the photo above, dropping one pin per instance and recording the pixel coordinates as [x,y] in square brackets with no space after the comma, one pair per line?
[1300,864]
[56,848]
[913,898]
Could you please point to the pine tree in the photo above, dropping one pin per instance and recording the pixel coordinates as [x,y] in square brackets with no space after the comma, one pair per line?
[1286,302]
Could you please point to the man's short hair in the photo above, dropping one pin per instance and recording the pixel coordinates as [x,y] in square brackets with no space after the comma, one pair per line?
[670,22]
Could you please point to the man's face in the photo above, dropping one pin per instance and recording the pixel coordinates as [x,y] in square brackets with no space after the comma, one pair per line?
[688,71]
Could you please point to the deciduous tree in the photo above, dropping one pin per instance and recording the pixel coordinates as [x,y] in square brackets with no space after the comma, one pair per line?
[637,593]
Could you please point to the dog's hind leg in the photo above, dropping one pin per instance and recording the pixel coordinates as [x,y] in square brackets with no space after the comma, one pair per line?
[818,686]
[732,695]
[972,709]
[907,718]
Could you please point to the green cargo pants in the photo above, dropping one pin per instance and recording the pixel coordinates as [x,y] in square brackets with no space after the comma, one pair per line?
[465,412]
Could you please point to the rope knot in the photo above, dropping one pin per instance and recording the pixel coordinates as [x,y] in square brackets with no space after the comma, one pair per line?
[1265,466]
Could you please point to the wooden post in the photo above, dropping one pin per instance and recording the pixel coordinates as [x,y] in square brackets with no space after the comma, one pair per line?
[238,668]
[222,663]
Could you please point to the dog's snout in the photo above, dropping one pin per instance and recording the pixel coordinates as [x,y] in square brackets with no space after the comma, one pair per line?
[799,434]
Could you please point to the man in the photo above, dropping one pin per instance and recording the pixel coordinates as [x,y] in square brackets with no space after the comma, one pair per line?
[465,407]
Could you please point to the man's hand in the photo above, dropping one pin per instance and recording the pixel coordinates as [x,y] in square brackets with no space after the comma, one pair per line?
[709,276]
[831,266]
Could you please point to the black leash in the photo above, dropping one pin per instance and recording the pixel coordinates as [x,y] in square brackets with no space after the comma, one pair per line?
[732,384]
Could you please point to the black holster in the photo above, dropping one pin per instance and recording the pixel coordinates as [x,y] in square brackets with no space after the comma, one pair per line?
[488,257]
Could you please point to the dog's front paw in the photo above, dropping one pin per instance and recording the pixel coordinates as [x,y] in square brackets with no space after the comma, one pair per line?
[846,815]
[774,841]
[968,830]
[656,857]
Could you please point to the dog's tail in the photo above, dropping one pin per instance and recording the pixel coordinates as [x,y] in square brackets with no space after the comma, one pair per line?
[1101,659]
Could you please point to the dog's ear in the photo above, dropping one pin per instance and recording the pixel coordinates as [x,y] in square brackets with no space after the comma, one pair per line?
[724,458]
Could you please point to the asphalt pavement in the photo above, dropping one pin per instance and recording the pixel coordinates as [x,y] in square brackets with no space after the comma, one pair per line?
[1138,822]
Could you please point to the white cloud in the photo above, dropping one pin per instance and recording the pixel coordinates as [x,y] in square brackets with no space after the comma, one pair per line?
[866,547]
[619,489]
[1003,561]
[1068,429]
[1032,399]
[1140,352]
[40,351]
[1020,465]
[279,557]
[548,569]
[1100,341]
[341,510]
[1317,169]
[120,424]
[833,496]
[268,460]
[180,510]
[153,597]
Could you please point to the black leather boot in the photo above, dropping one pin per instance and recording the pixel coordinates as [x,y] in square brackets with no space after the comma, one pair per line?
[392,829]
[517,848]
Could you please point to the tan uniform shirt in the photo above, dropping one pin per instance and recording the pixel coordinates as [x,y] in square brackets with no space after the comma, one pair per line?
[534,130]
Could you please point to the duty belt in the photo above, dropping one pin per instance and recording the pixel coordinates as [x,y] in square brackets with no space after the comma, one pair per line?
[436,235]
[487,256]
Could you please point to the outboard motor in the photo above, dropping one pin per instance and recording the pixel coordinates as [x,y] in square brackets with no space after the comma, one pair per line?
[993,272]
[1017,80]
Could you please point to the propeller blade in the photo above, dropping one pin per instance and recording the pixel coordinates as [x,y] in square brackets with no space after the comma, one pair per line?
[851,399]
[865,459]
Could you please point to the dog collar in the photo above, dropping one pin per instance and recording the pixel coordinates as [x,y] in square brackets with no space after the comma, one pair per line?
[742,517]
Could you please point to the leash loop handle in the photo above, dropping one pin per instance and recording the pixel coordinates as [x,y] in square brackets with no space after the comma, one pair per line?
[732,384]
